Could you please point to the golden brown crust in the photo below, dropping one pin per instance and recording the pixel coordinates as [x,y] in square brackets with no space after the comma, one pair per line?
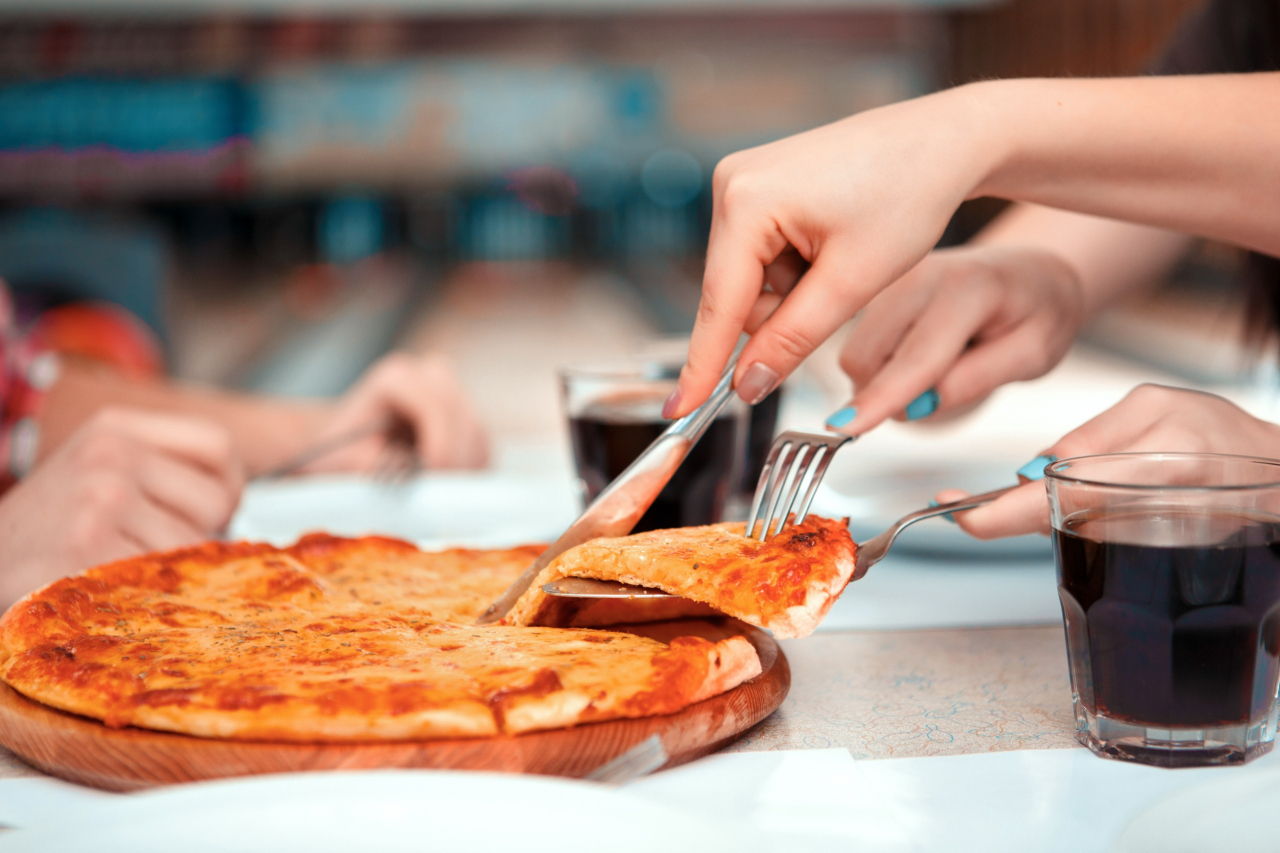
[786,584]
[335,639]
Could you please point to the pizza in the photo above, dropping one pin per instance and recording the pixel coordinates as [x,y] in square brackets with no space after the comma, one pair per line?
[785,584]
[336,639]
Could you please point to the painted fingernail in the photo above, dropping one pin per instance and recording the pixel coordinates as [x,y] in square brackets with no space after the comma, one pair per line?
[673,402]
[948,516]
[1034,470]
[923,406]
[757,382]
[842,417]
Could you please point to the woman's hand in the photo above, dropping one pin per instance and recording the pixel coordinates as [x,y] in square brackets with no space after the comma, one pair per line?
[1149,418]
[423,391]
[854,205]
[124,483]
[961,323]
[827,219]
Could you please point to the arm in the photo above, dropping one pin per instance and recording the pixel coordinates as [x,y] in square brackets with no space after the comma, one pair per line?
[1111,259]
[864,199]
[267,431]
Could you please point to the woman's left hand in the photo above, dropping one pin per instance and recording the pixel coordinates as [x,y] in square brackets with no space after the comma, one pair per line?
[1151,418]
[421,390]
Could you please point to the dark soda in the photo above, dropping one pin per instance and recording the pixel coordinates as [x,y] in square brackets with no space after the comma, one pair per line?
[606,438]
[1171,615]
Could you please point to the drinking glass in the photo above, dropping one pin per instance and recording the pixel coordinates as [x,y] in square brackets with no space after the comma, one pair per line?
[1169,577]
[615,412]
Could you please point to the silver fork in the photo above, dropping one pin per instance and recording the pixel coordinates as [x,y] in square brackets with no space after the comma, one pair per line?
[640,760]
[805,459]
[397,462]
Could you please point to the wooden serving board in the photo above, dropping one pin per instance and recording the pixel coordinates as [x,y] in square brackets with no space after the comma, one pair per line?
[83,750]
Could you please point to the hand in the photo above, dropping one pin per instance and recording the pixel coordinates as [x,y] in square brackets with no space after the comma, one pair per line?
[125,483]
[960,324]
[423,391]
[1149,418]
[827,219]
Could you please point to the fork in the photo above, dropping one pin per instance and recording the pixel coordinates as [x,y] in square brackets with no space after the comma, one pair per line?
[805,458]
[397,462]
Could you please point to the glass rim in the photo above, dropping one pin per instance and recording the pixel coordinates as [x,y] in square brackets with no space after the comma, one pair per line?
[1054,471]
[643,370]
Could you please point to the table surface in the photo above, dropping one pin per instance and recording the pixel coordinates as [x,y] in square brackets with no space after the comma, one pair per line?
[901,694]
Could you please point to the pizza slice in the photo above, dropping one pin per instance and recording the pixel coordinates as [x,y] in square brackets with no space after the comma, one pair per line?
[785,584]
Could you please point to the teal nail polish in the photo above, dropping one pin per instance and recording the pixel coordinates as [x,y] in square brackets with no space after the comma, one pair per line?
[1034,470]
[948,516]
[842,417]
[923,406]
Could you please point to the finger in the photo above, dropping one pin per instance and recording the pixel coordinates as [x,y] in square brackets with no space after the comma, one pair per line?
[1015,356]
[199,441]
[1023,510]
[187,491]
[782,274]
[158,528]
[765,305]
[882,325]
[927,351]
[736,256]
[819,305]
[1117,426]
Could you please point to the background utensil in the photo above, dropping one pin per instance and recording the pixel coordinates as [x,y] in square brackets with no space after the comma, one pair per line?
[616,510]
[397,462]
[804,460]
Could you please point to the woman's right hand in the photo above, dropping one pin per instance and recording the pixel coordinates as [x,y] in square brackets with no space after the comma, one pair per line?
[960,324]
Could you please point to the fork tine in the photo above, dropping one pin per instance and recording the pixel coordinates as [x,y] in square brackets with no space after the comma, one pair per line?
[820,471]
[789,481]
[803,464]
[779,488]
[763,486]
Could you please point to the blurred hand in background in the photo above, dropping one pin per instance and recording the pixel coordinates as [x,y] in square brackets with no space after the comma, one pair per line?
[124,483]
[420,390]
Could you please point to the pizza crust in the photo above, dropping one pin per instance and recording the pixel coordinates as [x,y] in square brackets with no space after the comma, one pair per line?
[786,584]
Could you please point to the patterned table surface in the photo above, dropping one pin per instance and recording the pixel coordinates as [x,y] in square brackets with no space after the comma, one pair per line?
[899,694]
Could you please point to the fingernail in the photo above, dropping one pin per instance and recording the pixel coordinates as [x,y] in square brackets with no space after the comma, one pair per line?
[1034,470]
[673,402]
[923,406]
[757,382]
[948,516]
[842,417]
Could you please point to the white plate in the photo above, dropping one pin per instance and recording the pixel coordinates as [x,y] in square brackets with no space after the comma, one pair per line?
[436,510]
[384,811]
[873,500]
[1233,814]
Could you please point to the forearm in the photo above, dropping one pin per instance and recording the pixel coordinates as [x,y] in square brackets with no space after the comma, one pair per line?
[1195,154]
[266,431]
[1111,258]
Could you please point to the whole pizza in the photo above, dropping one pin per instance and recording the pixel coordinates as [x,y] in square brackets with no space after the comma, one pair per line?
[335,639]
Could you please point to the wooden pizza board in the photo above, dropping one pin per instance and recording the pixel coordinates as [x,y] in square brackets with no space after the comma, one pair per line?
[83,750]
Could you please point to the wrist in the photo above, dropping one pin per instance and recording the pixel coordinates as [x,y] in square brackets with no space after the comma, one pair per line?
[1003,113]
